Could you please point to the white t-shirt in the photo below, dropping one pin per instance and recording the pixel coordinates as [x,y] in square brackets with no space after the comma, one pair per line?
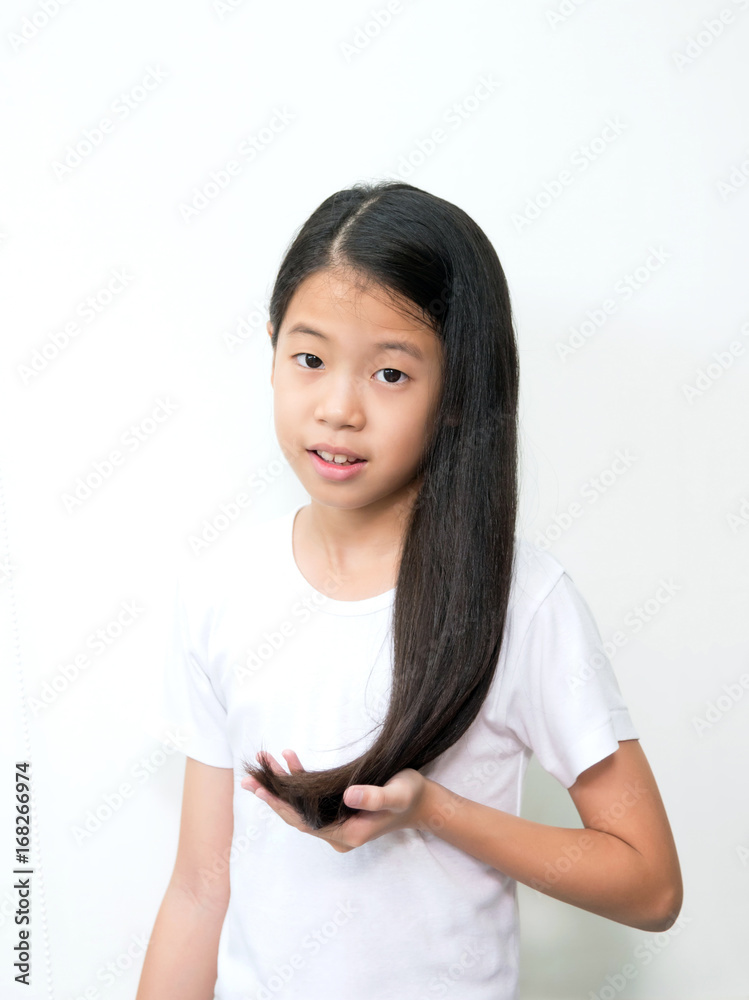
[261,660]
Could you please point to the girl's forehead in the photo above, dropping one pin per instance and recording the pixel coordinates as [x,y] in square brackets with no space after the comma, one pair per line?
[340,298]
[332,287]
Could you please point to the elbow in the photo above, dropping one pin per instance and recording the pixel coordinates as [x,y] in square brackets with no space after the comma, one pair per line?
[663,911]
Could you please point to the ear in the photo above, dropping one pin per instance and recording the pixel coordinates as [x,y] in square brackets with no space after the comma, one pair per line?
[269,327]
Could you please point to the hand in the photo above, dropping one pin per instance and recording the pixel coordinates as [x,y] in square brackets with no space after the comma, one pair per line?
[392,806]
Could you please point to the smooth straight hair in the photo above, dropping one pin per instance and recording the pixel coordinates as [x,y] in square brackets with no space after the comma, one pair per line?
[457,551]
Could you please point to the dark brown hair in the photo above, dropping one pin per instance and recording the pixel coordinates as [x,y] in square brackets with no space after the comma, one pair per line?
[457,552]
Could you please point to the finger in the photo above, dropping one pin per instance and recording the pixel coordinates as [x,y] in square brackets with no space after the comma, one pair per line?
[284,810]
[396,796]
[364,797]
[274,765]
[287,812]
[292,760]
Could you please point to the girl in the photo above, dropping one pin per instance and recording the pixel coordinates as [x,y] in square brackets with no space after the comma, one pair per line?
[401,648]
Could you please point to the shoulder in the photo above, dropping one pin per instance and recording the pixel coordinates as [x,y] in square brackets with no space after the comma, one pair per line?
[545,610]
[535,575]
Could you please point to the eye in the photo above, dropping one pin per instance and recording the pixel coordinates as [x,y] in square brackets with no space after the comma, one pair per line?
[305,356]
[394,371]
[389,371]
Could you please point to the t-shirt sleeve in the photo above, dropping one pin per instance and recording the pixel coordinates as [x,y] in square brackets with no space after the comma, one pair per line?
[564,701]
[191,701]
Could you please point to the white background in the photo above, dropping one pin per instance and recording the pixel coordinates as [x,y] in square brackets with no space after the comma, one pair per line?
[560,71]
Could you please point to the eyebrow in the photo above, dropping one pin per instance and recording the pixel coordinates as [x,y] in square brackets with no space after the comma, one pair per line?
[386,345]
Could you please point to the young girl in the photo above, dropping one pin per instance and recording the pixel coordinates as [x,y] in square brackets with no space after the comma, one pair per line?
[401,648]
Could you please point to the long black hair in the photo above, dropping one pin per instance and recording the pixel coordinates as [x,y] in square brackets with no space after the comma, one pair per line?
[457,551]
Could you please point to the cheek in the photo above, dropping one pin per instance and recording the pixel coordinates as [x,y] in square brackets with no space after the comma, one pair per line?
[285,419]
[409,422]
[405,439]
[286,402]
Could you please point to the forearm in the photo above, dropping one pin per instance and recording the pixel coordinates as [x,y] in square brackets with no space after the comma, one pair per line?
[585,867]
[181,961]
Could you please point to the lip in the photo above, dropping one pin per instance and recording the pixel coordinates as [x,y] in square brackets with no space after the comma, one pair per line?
[334,450]
[335,473]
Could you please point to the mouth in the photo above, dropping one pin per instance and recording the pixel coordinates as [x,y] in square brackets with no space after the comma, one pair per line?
[329,458]
[341,471]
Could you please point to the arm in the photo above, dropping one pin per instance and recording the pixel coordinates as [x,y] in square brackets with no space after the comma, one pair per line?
[623,865]
[181,961]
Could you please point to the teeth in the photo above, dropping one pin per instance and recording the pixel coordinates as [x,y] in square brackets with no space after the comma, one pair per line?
[338,459]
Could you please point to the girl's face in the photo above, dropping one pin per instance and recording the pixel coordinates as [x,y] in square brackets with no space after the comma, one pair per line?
[352,374]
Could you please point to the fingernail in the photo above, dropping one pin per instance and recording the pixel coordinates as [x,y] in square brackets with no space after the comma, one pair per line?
[354,797]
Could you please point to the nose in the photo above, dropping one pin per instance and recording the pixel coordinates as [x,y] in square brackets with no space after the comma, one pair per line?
[339,403]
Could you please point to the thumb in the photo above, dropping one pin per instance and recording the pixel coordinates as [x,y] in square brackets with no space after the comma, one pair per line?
[355,796]
[392,795]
